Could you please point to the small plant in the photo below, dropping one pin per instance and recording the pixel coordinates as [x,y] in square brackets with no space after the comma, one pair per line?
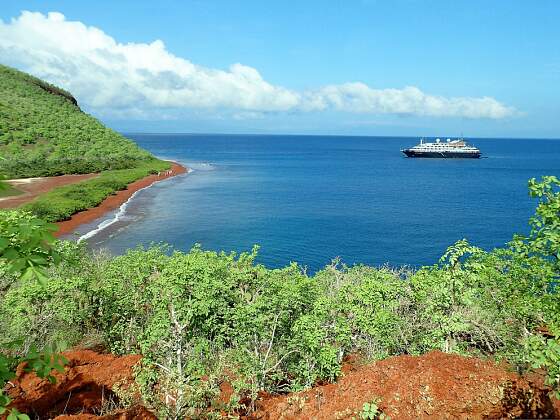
[26,245]
[298,402]
[545,353]
[371,411]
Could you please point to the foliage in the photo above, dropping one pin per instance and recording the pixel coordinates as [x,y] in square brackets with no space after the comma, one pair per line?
[544,239]
[43,132]
[371,411]
[543,246]
[198,315]
[26,249]
[544,353]
[25,244]
[6,190]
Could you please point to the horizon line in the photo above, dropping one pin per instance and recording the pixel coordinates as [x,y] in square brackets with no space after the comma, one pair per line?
[176,133]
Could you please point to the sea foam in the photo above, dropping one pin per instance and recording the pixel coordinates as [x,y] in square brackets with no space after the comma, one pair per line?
[121,212]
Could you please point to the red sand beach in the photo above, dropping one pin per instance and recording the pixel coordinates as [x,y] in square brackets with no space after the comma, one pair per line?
[114,201]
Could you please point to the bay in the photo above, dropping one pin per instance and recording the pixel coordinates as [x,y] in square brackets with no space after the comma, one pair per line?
[310,199]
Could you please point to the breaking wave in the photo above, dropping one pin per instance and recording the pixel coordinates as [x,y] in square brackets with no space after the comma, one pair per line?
[106,223]
[121,212]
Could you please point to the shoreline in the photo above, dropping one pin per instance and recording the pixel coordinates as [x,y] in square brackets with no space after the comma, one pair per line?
[114,201]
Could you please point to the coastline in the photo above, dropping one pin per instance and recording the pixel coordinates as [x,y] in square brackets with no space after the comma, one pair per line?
[115,201]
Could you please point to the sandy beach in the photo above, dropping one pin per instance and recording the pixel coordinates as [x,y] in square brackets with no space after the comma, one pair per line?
[114,201]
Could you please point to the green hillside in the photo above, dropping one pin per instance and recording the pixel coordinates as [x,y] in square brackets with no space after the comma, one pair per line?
[43,132]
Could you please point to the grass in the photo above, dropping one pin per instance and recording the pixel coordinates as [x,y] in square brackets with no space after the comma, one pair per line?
[8,191]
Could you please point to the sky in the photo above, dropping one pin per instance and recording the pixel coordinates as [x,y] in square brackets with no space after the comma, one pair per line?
[395,67]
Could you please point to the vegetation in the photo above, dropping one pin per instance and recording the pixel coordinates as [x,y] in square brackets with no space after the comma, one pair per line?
[201,317]
[25,251]
[43,132]
[6,190]
[371,411]
[63,202]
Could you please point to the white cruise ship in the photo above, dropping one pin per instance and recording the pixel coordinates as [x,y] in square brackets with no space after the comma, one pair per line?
[443,149]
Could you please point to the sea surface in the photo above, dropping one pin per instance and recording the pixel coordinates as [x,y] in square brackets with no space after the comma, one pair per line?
[310,199]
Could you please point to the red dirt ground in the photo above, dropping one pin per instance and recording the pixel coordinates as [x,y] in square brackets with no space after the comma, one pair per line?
[88,379]
[36,186]
[114,201]
[433,386]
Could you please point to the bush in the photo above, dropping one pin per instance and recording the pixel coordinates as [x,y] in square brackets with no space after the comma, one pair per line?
[25,249]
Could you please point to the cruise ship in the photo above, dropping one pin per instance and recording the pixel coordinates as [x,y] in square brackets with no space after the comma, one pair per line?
[443,149]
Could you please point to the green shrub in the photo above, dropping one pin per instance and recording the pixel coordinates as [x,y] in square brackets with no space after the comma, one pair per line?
[25,250]
[544,353]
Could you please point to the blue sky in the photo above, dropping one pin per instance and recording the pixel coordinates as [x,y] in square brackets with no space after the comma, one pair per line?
[330,67]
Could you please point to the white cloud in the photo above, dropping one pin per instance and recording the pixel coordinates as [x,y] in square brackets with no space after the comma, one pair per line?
[360,98]
[139,79]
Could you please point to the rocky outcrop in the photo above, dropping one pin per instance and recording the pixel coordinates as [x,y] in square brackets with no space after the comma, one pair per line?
[55,91]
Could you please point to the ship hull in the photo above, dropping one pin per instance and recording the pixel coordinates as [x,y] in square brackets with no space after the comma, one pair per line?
[440,155]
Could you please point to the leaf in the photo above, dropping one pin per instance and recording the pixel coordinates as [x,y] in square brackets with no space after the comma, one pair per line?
[39,260]
[11,254]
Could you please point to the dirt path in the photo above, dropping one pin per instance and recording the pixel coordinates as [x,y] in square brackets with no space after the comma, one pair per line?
[32,187]
[114,201]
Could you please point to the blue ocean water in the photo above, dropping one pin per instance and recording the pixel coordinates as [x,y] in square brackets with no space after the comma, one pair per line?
[312,198]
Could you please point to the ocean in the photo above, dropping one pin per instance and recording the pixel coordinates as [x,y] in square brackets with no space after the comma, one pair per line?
[310,199]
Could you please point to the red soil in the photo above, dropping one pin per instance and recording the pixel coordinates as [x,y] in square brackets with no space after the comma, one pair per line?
[36,186]
[114,201]
[136,413]
[435,385]
[87,381]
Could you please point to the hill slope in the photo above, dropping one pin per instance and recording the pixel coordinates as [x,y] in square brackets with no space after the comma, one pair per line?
[43,132]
